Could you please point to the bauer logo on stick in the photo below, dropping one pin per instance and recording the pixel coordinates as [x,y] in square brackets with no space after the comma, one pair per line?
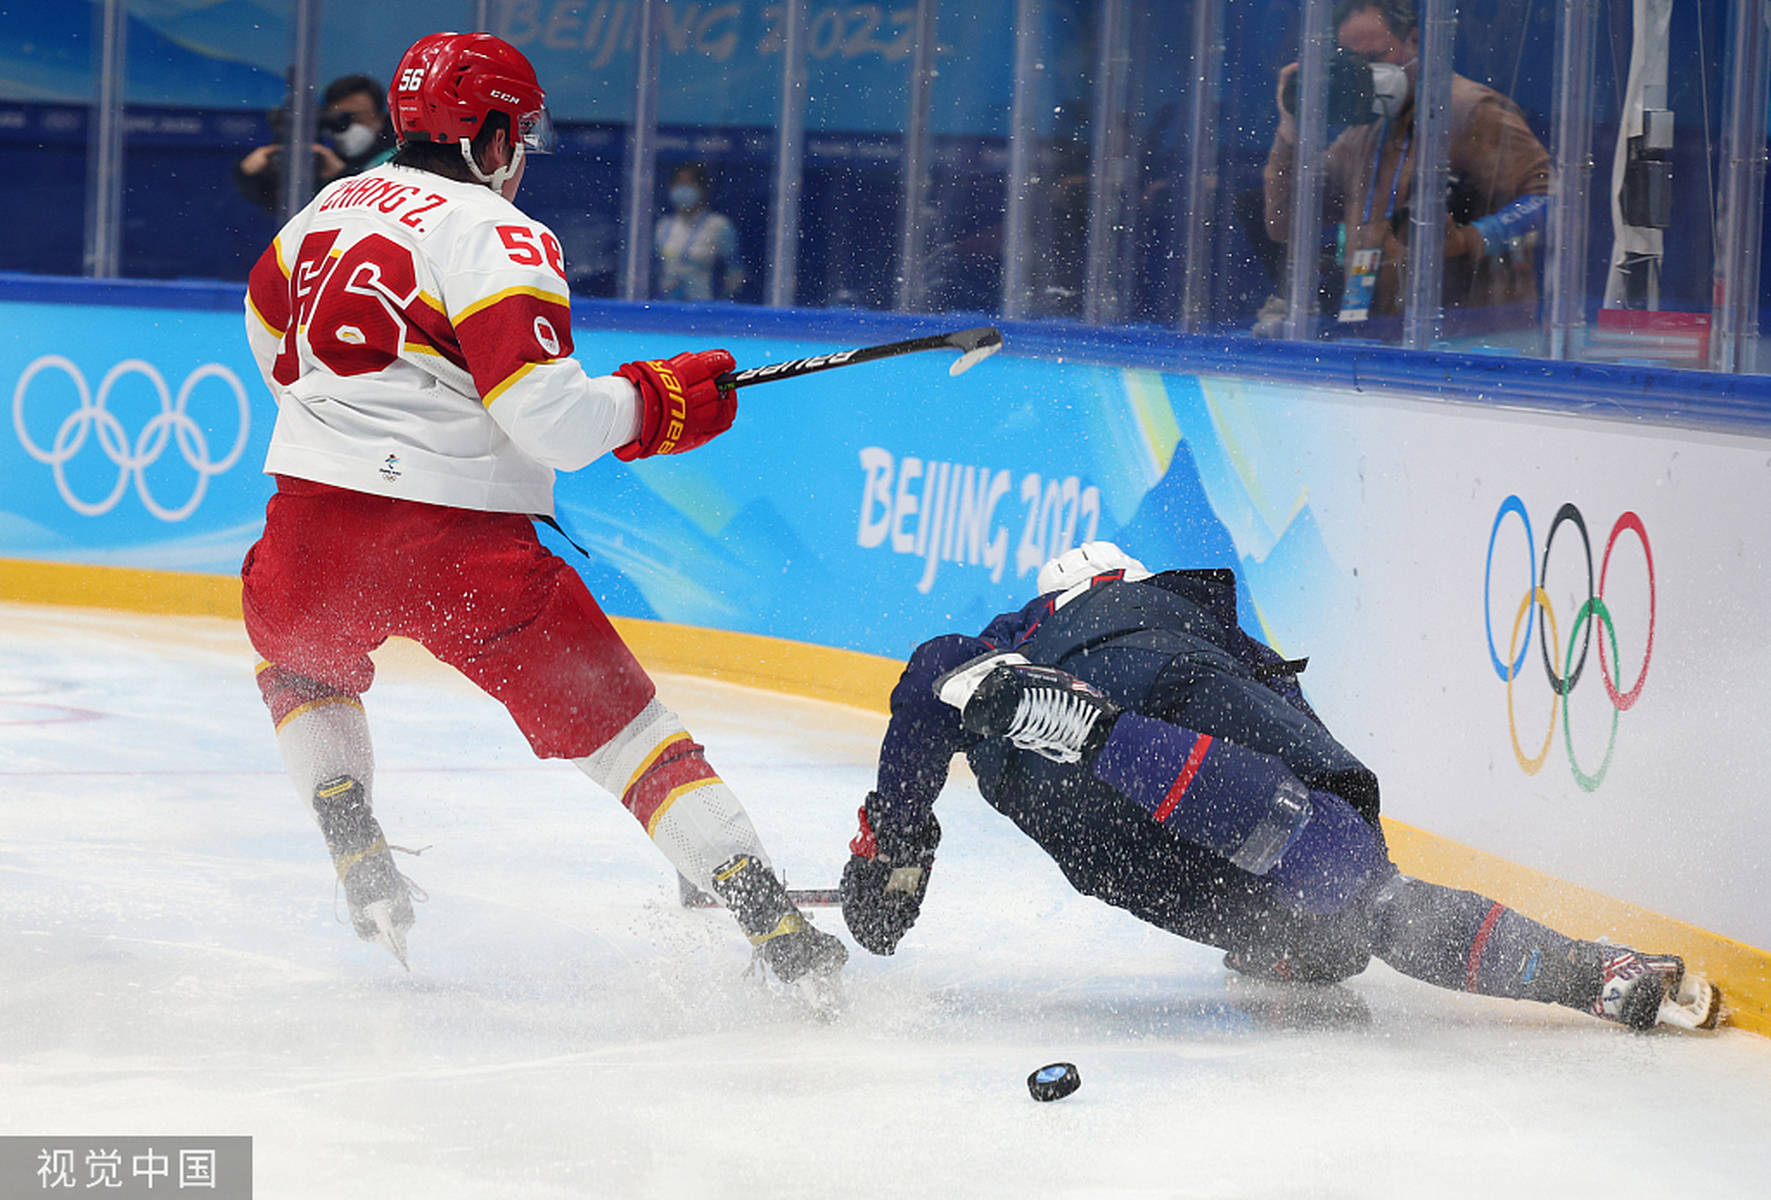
[974,345]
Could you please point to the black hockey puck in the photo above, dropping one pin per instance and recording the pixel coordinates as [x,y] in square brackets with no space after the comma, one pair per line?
[1054,1082]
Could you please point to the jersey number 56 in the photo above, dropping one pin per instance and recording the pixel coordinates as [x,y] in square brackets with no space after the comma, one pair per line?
[347,305]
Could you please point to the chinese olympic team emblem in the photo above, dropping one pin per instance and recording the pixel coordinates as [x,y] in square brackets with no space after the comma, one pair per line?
[92,421]
[1565,662]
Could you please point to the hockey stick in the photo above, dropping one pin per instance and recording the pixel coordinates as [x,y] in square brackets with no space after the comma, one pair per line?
[693,897]
[803,897]
[974,346]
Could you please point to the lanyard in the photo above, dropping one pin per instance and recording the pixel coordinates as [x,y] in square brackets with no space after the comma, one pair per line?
[671,250]
[1376,159]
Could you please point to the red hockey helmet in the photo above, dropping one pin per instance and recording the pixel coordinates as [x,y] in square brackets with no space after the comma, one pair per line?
[447,84]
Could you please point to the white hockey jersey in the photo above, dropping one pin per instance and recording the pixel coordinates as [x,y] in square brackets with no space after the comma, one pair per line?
[416,332]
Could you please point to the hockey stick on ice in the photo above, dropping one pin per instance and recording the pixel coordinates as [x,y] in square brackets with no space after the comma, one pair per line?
[693,897]
[974,346]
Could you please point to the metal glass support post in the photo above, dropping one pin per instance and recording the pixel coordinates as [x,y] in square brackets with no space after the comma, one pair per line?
[1128,243]
[1023,133]
[1637,251]
[298,160]
[1565,271]
[1304,235]
[482,14]
[912,237]
[1199,201]
[1103,298]
[1423,302]
[642,158]
[790,141]
[104,147]
[1735,321]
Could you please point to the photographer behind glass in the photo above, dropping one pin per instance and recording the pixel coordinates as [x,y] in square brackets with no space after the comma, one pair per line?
[355,135]
[1500,174]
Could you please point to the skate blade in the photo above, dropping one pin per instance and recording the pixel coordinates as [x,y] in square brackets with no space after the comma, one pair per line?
[388,935]
[956,686]
[1697,1006]
[821,995]
[1315,1007]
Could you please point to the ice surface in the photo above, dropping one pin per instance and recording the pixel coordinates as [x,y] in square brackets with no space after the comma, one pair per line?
[172,962]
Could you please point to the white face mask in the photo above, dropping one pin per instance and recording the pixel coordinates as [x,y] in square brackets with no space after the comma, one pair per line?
[1389,89]
[354,140]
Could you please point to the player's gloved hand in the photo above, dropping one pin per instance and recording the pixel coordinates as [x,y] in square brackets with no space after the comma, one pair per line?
[680,407]
[883,885]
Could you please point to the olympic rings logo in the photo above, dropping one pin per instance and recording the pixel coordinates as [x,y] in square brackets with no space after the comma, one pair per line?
[1590,613]
[172,424]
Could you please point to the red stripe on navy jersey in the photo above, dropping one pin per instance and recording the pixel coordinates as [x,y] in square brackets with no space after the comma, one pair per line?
[1480,945]
[1184,780]
[501,338]
[1050,606]
[681,765]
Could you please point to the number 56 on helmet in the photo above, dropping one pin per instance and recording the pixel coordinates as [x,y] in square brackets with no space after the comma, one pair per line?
[448,84]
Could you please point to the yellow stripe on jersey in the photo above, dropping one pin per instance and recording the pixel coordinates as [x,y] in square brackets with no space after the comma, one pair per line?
[507,293]
[253,309]
[507,382]
[277,253]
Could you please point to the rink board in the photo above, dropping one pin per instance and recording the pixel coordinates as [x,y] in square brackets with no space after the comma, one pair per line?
[1415,549]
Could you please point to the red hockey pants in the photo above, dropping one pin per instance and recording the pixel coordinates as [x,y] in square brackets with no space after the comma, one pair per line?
[338,572]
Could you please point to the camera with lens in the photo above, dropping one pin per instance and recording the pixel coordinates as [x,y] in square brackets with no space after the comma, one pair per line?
[1352,95]
[1463,204]
[333,123]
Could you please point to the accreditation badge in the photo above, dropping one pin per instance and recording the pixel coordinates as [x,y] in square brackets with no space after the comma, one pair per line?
[1361,284]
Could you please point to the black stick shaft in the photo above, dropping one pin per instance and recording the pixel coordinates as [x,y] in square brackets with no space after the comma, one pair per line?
[804,897]
[793,368]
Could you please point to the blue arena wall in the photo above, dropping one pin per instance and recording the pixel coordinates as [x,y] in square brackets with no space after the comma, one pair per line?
[863,509]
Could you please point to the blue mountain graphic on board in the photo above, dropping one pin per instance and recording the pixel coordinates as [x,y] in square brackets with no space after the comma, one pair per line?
[1297,584]
[1176,526]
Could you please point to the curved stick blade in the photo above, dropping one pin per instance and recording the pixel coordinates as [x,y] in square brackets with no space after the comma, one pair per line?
[976,346]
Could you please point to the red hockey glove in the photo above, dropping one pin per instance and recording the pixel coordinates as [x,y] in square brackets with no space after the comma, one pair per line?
[680,408]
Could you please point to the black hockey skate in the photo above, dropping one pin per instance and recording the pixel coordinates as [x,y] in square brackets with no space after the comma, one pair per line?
[1640,991]
[1042,709]
[789,945]
[379,897]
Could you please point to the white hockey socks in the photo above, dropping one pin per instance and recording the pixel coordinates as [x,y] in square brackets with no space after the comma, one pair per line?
[662,778]
[323,740]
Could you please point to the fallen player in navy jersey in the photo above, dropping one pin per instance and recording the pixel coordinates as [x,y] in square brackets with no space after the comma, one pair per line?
[1170,765]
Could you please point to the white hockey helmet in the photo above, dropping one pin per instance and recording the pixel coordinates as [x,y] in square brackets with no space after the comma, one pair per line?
[1085,562]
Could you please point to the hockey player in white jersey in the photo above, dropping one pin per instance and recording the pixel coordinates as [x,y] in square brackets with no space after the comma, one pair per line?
[414,326]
